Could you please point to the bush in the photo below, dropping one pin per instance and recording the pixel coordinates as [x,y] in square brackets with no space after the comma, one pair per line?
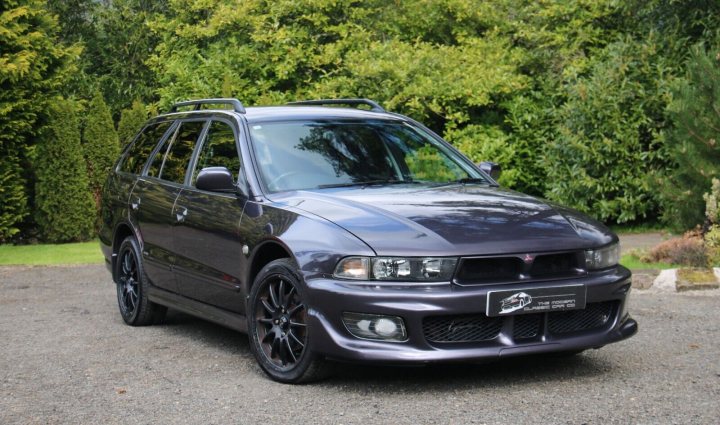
[65,210]
[100,143]
[487,143]
[607,147]
[712,245]
[712,203]
[686,251]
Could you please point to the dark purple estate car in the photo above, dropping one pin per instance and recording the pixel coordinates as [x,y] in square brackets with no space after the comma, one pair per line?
[350,234]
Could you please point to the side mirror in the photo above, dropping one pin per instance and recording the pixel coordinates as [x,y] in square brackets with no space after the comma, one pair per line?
[493,169]
[215,179]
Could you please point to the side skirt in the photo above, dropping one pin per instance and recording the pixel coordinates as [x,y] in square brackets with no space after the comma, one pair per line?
[198,309]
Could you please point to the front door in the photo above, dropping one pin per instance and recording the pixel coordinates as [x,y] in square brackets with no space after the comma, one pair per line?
[210,262]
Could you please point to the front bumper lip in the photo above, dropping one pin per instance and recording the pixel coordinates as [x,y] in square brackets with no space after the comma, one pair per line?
[330,298]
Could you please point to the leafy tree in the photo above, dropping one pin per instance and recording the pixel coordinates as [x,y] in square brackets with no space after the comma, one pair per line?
[694,144]
[100,143]
[131,121]
[65,210]
[33,66]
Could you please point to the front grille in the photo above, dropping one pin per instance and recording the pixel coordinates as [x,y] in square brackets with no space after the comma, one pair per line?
[468,328]
[555,265]
[492,269]
[479,327]
[594,316]
[483,270]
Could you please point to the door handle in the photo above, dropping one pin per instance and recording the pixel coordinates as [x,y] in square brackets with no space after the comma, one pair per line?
[180,214]
[135,205]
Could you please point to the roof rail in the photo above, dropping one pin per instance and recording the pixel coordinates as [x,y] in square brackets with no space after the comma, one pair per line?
[237,106]
[374,106]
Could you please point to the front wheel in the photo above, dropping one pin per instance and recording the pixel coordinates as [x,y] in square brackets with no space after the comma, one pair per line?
[278,327]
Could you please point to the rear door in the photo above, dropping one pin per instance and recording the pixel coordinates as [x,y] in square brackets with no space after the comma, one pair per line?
[154,197]
[208,243]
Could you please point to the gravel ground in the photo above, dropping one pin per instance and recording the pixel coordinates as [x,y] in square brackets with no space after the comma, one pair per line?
[641,241]
[67,357]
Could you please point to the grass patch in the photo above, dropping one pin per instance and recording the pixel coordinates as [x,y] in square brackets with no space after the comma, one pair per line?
[633,263]
[50,254]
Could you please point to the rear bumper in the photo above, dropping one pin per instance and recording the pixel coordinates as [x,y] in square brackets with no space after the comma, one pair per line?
[330,298]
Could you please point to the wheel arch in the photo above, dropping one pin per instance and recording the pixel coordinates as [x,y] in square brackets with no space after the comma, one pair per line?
[264,253]
[122,231]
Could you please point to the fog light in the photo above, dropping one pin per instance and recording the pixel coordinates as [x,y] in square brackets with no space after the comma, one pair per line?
[375,327]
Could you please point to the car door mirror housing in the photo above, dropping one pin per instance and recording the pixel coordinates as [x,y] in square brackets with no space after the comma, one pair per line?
[215,179]
[493,169]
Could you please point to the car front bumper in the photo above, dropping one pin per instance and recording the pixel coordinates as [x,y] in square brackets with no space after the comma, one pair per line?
[329,299]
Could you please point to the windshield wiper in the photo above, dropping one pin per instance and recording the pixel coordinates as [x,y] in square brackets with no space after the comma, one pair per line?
[466,180]
[368,183]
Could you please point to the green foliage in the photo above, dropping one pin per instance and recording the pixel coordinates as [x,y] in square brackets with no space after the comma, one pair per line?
[131,121]
[607,148]
[65,210]
[100,143]
[712,203]
[694,144]
[116,43]
[569,96]
[32,66]
[488,143]
[712,245]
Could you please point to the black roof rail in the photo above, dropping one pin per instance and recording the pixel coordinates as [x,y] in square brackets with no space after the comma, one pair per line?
[374,106]
[237,106]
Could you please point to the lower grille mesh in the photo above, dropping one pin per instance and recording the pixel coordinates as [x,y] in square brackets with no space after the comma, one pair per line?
[527,326]
[595,315]
[479,327]
[472,328]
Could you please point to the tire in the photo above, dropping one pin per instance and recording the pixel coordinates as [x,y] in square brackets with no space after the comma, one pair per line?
[280,338]
[132,283]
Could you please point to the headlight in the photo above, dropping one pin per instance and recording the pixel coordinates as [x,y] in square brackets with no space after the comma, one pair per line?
[396,269]
[602,258]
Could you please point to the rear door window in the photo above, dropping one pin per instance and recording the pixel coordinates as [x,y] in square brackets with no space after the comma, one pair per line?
[138,153]
[172,160]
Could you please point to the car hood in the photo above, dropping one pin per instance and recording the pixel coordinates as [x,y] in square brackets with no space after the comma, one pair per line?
[450,220]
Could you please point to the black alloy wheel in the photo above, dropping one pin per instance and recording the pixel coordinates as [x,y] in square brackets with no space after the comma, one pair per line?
[281,323]
[278,325]
[135,308]
[128,283]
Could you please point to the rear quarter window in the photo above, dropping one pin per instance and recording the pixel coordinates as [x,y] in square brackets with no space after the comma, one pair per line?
[138,154]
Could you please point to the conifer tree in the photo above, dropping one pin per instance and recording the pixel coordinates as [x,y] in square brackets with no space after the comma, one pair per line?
[33,66]
[64,208]
[695,141]
[100,143]
[131,120]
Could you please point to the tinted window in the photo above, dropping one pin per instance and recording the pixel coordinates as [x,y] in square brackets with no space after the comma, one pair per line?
[138,153]
[316,154]
[219,150]
[179,151]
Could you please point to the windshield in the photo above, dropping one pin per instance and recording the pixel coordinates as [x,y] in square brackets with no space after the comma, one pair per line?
[298,155]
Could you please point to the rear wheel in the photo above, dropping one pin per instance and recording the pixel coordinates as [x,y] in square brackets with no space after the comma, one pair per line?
[135,308]
[278,328]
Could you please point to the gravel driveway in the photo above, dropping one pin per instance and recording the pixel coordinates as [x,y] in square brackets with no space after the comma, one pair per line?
[66,357]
